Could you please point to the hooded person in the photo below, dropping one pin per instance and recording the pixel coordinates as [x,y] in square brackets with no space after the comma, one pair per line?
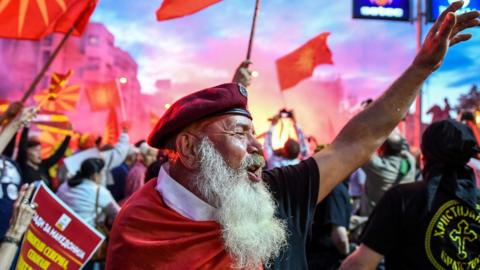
[442,212]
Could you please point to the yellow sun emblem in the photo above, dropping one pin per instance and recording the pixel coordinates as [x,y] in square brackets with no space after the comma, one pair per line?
[25,4]
[305,61]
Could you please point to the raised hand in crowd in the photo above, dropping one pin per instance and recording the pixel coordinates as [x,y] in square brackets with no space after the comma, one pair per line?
[243,75]
[23,213]
[444,34]
[126,125]
[11,128]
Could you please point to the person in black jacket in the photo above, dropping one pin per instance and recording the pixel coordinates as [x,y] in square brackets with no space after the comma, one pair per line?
[30,161]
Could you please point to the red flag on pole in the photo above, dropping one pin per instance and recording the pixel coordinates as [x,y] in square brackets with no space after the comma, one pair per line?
[172,9]
[111,133]
[23,19]
[102,96]
[58,96]
[300,64]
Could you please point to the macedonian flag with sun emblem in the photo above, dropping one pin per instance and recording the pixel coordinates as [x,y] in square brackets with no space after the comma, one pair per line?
[300,63]
[58,96]
[34,19]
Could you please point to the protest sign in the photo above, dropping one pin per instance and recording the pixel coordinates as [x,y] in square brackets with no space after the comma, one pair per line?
[57,238]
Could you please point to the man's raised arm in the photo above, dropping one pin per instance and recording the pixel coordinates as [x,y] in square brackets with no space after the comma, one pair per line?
[363,134]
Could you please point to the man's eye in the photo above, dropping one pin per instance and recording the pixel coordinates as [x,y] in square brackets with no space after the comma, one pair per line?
[241,133]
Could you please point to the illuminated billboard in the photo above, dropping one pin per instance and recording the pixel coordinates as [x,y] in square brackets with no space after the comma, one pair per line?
[436,7]
[396,10]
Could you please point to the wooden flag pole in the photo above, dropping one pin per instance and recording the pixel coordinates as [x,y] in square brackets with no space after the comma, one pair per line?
[45,67]
[120,95]
[252,31]
[52,57]
[284,101]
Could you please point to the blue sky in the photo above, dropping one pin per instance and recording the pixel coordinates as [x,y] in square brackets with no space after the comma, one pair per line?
[203,49]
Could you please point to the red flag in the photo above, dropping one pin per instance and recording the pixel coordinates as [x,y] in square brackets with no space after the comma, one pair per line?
[102,96]
[58,96]
[172,9]
[111,133]
[24,19]
[300,64]
[59,81]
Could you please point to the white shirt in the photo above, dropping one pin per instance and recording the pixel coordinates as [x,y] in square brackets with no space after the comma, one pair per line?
[114,158]
[9,180]
[82,198]
[181,200]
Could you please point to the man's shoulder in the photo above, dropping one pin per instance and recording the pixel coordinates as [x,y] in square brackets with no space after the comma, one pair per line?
[305,166]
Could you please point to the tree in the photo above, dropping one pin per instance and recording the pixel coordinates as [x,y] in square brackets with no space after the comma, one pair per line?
[469,101]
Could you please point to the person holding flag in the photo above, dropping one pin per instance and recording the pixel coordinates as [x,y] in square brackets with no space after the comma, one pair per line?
[31,163]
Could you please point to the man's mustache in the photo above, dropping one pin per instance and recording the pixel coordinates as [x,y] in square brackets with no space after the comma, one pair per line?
[254,160]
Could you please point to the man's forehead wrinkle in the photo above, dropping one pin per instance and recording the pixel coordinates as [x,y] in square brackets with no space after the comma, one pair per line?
[222,123]
[245,123]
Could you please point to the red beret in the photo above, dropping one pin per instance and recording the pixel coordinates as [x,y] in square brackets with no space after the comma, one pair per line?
[229,98]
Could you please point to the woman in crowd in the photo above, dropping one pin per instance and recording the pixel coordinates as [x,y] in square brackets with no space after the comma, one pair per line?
[31,163]
[83,193]
[91,201]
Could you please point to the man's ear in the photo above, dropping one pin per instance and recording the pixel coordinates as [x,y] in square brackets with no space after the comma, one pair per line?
[187,149]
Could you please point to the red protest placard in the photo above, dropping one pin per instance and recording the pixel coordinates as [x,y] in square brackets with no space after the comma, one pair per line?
[57,238]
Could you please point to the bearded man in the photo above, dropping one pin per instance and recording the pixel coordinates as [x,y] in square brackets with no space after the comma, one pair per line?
[211,206]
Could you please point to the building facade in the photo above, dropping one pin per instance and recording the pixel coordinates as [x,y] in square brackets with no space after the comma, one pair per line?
[93,57]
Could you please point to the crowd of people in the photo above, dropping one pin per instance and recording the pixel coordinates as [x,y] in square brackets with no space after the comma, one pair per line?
[202,193]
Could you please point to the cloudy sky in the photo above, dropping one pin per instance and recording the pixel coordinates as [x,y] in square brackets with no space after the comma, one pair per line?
[204,49]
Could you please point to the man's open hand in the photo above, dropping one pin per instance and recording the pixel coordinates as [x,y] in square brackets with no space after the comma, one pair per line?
[445,33]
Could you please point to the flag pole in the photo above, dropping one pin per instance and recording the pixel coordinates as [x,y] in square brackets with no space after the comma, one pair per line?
[45,67]
[52,57]
[120,94]
[252,31]
[284,101]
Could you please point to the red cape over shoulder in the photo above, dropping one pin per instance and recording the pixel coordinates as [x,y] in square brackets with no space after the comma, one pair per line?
[147,234]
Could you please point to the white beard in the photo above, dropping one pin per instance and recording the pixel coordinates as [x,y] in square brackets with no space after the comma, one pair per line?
[245,210]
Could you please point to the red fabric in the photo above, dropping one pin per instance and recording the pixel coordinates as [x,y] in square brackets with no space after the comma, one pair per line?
[196,106]
[103,96]
[147,234]
[300,64]
[112,131]
[172,9]
[23,19]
